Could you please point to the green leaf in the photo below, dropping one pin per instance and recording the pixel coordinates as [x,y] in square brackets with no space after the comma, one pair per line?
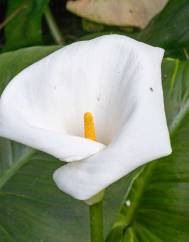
[25,27]
[10,152]
[170,28]
[156,208]
[32,209]
[39,210]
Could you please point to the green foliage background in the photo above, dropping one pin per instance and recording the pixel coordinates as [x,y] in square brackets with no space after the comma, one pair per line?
[149,205]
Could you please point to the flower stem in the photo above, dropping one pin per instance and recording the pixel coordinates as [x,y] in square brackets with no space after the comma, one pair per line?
[96,222]
[53,26]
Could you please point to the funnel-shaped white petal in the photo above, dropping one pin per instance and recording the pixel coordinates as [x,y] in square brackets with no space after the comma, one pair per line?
[115,78]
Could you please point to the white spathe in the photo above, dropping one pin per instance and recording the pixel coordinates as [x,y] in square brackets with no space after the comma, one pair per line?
[114,77]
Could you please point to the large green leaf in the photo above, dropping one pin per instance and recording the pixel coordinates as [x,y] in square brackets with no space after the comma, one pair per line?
[32,209]
[10,152]
[156,207]
[170,28]
[25,28]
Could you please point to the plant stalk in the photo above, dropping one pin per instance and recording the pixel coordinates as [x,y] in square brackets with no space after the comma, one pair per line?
[12,15]
[56,34]
[96,222]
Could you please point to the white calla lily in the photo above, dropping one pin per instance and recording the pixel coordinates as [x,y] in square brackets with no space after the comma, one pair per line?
[118,80]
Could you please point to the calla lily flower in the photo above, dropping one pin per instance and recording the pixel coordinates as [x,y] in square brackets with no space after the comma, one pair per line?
[114,77]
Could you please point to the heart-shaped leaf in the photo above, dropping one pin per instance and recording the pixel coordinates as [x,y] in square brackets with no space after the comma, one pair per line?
[170,28]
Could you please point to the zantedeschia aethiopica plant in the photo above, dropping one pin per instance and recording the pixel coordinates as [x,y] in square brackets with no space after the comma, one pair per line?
[115,78]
